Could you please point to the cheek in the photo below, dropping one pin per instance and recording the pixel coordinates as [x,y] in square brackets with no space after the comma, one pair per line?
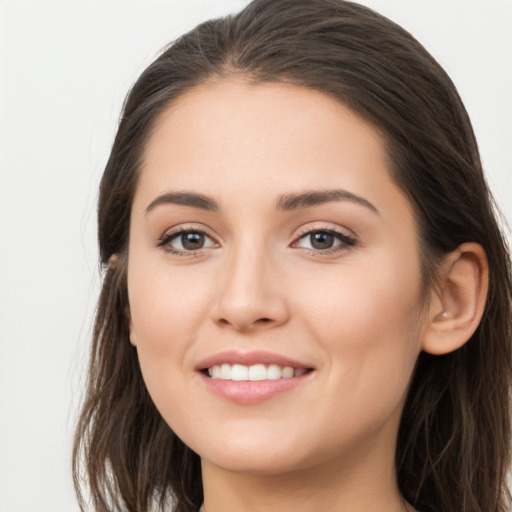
[166,310]
[368,319]
[377,291]
[165,306]
[366,323]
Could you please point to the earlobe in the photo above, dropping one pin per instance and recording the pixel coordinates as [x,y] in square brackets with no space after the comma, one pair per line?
[133,339]
[457,308]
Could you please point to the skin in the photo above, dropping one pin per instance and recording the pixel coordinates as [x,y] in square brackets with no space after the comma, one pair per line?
[355,315]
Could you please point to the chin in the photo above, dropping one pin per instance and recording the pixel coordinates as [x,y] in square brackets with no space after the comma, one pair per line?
[256,456]
[254,464]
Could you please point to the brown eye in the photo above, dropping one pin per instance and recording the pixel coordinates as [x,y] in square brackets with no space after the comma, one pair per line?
[186,241]
[325,241]
[192,241]
[321,240]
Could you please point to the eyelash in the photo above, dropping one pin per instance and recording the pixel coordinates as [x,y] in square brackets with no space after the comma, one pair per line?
[167,238]
[347,241]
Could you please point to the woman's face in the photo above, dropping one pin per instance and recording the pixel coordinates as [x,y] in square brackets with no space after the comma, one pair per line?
[270,247]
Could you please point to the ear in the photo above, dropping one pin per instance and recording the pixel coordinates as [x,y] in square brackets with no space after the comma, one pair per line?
[456,309]
[133,339]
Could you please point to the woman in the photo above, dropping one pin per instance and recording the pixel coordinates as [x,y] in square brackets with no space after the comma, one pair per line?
[307,298]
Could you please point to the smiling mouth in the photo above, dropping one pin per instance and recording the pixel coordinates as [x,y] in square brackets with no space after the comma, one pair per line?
[257,372]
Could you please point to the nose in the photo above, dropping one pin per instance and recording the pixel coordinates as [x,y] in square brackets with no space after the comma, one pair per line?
[251,295]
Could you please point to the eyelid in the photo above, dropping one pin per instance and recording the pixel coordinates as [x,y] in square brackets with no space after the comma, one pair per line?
[346,237]
[313,228]
[174,232]
[186,227]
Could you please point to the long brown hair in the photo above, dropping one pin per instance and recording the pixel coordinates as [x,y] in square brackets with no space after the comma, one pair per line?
[454,441]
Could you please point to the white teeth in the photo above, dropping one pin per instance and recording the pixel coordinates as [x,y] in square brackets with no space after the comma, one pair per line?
[257,372]
[273,372]
[239,372]
[287,372]
[225,371]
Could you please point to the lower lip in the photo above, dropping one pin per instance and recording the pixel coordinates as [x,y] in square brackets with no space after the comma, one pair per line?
[252,392]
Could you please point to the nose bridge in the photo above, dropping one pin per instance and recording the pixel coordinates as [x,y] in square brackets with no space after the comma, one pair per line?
[250,293]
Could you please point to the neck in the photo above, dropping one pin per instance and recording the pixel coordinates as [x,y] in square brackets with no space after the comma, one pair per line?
[369,485]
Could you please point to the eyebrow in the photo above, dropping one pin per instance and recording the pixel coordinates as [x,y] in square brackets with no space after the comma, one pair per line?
[286,202]
[306,199]
[186,199]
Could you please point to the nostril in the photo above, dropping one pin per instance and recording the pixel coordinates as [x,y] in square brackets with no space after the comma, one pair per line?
[244,324]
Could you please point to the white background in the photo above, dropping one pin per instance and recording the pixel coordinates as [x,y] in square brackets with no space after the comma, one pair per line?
[64,70]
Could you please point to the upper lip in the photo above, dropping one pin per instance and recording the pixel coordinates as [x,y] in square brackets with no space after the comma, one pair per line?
[249,359]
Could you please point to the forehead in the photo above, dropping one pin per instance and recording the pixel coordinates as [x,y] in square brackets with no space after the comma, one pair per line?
[234,139]
[257,117]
